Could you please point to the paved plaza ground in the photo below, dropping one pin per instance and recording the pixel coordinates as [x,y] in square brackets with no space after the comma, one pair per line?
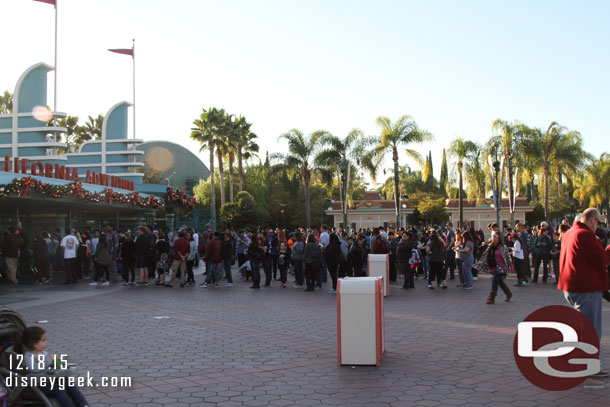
[231,346]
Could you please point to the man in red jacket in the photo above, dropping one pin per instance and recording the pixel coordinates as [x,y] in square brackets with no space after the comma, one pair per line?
[582,267]
[182,249]
[213,258]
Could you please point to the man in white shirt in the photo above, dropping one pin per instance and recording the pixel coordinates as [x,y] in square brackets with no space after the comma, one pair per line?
[69,244]
[196,239]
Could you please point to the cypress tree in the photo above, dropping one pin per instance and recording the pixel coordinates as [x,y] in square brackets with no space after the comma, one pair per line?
[444,174]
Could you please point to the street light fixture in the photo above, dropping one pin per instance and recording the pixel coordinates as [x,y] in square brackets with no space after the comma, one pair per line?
[168,178]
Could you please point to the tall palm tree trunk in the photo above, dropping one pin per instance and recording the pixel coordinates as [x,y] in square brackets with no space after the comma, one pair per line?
[460,197]
[396,195]
[511,197]
[546,193]
[221,173]
[306,179]
[240,168]
[213,192]
[231,160]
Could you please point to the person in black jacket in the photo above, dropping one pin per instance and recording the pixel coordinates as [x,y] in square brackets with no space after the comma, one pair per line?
[227,251]
[142,247]
[332,254]
[403,255]
[357,255]
[256,253]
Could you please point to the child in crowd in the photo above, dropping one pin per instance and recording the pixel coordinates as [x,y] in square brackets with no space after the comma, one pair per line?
[33,344]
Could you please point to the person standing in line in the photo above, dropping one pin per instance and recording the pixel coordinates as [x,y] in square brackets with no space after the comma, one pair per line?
[127,254]
[256,253]
[69,244]
[102,259]
[213,258]
[525,244]
[403,255]
[227,257]
[195,237]
[436,253]
[160,252]
[332,253]
[519,259]
[242,243]
[466,256]
[298,252]
[449,253]
[583,277]
[542,250]
[142,246]
[10,250]
[283,262]
[190,260]
[555,251]
[323,269]
[311,258]
[394,241]
[357,255]
[496,260]
[182,248]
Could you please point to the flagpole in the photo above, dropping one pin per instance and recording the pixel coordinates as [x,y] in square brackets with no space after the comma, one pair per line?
[55,67]
[133,57]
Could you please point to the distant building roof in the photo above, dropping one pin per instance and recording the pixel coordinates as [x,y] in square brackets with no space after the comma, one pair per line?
[170,160]
[485,203]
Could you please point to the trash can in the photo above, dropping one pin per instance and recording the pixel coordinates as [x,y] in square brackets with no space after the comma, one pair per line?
[360,321]
[379,266]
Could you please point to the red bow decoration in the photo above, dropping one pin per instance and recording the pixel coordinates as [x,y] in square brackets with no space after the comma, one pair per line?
[136,198]
[78,190]
[28,183]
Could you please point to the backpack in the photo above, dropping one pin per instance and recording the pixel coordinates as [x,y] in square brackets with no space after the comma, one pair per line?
[380,246]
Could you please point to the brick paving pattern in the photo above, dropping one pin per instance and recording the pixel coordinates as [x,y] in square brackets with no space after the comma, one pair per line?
[231,346]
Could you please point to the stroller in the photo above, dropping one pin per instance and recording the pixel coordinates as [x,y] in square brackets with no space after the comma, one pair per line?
[11,329]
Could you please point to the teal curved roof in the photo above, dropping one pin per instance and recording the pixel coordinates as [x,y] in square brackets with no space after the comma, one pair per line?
[165,158]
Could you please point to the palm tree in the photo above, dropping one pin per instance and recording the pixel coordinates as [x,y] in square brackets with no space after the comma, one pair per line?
[395,135]
[594,184]
[507,141]
[465,151]
[476,178]
[246,146]
[556,146]
[301,154]
[344,153]
[221,150]
[72,132]
[208,129]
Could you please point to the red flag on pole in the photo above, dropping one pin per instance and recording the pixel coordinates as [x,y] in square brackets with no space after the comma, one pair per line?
[47,1]
[125,51]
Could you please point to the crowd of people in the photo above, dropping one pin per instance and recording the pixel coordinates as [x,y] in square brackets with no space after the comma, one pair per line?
[312,256]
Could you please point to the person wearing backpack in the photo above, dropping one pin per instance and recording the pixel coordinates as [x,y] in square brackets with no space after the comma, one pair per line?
[298,252]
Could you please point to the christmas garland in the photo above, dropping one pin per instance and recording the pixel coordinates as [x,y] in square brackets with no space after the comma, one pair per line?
[181,198]
[23,187]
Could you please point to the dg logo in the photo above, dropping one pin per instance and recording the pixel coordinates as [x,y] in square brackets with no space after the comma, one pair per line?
[556,348]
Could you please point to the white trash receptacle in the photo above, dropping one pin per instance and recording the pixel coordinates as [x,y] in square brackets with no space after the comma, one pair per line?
[378,265]
[360,322]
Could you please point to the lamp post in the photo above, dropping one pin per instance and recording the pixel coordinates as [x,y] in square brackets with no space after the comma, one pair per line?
[168,178]
[322,209]
[404,205]
[277,222]
[496,184]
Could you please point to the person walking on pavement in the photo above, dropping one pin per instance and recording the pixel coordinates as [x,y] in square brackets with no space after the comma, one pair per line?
[583,277]
[496,260]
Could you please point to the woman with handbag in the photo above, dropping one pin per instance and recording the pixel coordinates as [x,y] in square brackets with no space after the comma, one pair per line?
[496,260]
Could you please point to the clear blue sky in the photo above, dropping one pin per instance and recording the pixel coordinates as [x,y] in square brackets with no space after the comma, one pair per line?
[455,66]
